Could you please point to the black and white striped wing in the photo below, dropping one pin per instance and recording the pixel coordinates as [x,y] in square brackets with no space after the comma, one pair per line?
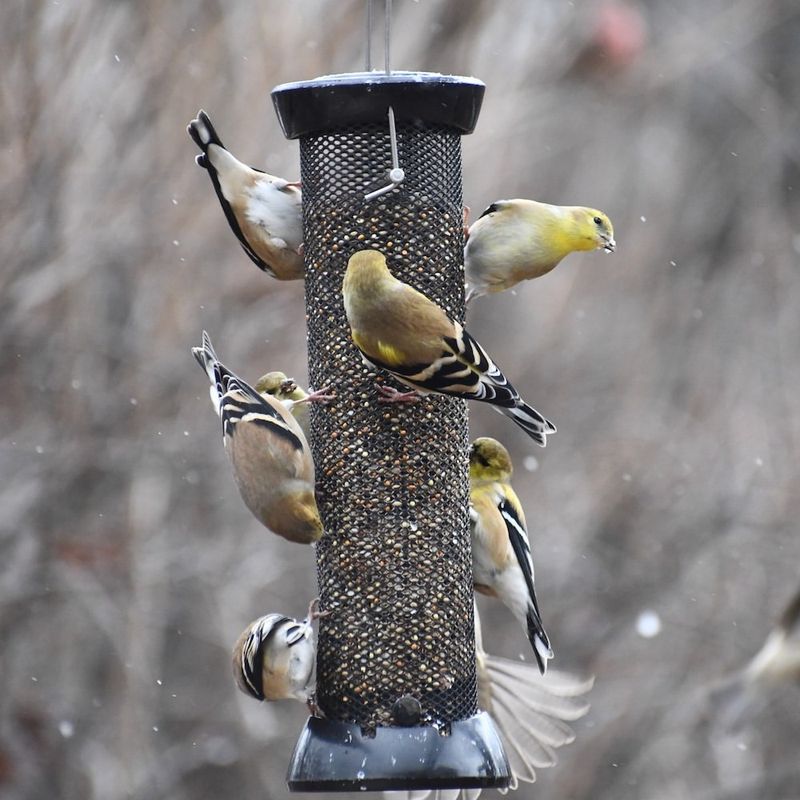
[252,663]
[518,537]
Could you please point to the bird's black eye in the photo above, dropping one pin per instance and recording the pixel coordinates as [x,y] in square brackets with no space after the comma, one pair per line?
[598,221]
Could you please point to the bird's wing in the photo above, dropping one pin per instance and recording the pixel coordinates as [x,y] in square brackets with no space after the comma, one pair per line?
[529,709]
[237,401]
[460,368]
[241,403]
[518,537]
[434,794]
[261,631]
[511,511]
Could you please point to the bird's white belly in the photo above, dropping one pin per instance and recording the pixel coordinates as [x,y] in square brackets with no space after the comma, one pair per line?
[277,212]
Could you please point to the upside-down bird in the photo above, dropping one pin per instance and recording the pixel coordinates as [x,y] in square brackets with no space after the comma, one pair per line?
[264,211]
[274,658]
[268,451]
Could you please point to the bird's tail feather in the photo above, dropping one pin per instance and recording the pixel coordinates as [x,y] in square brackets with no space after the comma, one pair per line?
[203,134]
[538,638]
[206,357]
[531,421]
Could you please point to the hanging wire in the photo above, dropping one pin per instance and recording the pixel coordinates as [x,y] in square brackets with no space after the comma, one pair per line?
[387,35]
[396,173]
[369,37]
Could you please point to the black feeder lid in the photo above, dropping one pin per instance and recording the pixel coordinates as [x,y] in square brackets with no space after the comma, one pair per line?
[359,98]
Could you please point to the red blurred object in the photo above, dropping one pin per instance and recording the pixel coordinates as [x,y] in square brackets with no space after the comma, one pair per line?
[617,36]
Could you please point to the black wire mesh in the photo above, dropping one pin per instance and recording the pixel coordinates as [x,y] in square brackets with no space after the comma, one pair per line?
[394,566]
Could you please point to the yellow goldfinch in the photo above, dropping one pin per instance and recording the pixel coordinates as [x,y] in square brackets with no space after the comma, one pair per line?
[292,395]
[265,212]
[517,240]
[269,453]
[530,712]
[501,554]
[274,658]
[400,330]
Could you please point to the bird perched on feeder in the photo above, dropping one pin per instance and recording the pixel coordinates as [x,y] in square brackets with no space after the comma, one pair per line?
[402,331]
[292,395]
[502,566]
[268,451]
[517,240]
[264,211]
[530,711]
[274,658]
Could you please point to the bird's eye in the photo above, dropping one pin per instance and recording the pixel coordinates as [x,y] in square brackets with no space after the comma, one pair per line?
[598,221]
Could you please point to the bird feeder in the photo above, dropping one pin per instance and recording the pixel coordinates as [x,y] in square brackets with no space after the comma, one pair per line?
[381,168]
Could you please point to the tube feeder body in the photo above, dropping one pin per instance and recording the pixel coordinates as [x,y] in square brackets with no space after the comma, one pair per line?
[396,657]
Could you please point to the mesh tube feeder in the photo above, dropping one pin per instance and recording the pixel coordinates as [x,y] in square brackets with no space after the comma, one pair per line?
[396,675]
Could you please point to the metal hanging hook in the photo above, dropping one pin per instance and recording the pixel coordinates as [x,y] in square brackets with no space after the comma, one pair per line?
[396,174]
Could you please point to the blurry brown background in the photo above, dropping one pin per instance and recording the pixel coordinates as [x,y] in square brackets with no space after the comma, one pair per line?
[128,564]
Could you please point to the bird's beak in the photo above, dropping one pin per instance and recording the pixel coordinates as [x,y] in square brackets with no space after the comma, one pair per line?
[609,245]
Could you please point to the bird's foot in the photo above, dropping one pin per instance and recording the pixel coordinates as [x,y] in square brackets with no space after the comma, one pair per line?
[465,222]
[314,612]
[324,395]
[391,395]
[314,708]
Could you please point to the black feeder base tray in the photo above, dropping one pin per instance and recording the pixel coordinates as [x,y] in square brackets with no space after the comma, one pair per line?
[335,756]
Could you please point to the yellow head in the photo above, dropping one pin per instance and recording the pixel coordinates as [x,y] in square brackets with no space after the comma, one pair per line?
[279,386]
[489,460]
[367,275]
[366,265]
[591,229]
